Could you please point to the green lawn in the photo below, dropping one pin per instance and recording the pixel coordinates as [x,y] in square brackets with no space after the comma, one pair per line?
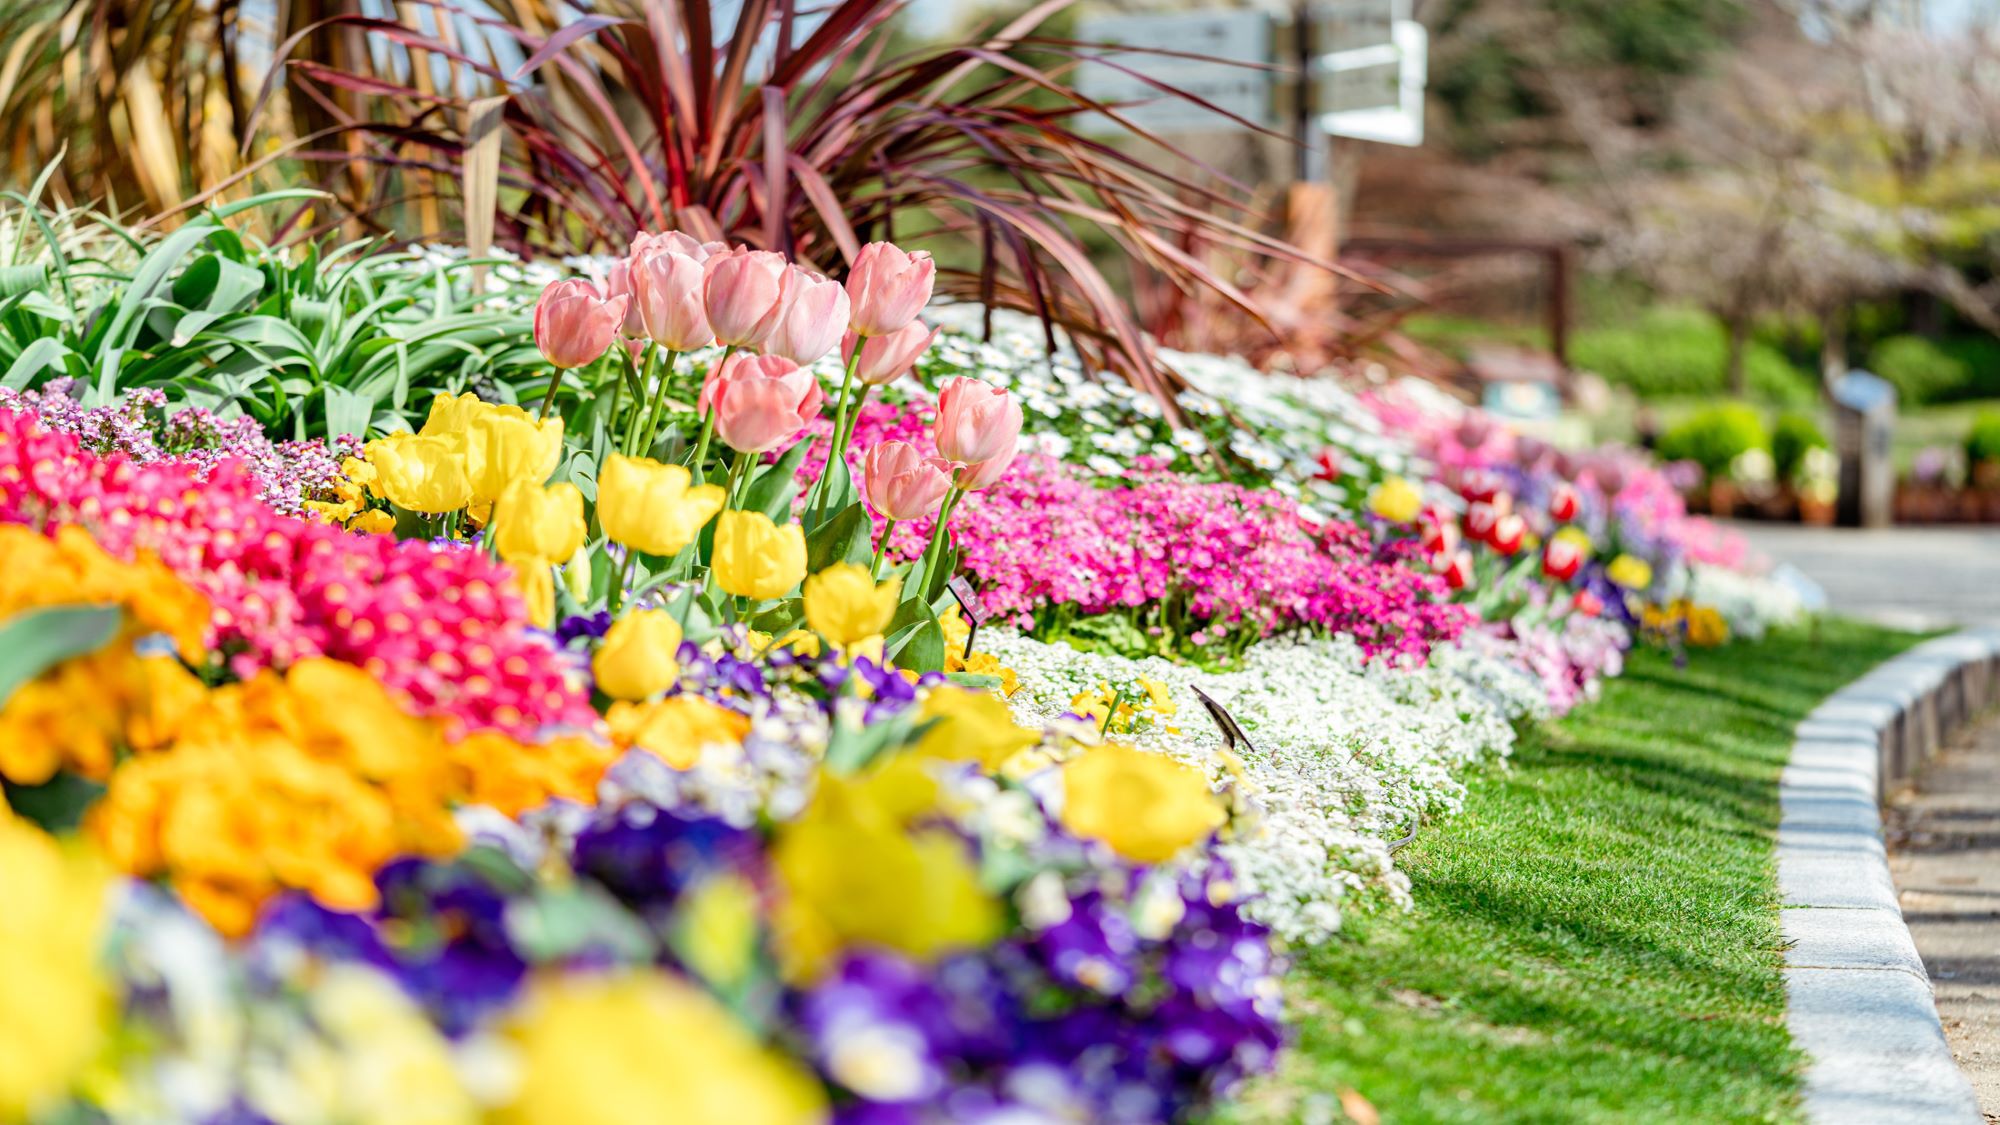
[1595,936]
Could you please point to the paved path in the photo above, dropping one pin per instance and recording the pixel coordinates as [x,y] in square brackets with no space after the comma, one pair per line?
[1910,577]
[1944,841]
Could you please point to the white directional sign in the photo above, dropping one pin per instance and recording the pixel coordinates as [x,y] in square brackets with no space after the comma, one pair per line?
[1219,40]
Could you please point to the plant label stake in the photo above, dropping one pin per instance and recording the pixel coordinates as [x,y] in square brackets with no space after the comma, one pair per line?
[1232,732]
[968,600]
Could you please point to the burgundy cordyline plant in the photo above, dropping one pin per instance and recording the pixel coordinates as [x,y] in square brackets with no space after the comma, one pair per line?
[785,128]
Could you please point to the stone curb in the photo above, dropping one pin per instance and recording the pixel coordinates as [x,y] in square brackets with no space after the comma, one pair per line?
[1858,998]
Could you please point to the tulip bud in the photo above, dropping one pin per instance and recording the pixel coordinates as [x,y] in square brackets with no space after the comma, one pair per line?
[741,291]
[760,401]
[901,483]
[884,359]
[984,474]
[845,604]
[811,317]
[1630,572]
[537,524]
[574,323]
[639,656]
[755,558]
[1328,465]
[1480,484]
[1562,558]
[888,287]
[1588,603]
[505,444]
[421,474]
[1484,515]
[652,507]
[1564,503]
[1508,534]
[667,294]
[976,422]
[1457,570]
[1437,530]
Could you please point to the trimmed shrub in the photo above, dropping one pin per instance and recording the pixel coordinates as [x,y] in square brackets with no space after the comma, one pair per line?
[1714,437]
[1792,435]
[1982,443]
[1921,370]
[1684,353]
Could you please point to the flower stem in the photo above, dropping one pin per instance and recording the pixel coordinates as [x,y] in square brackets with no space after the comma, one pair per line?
[737,472]
[934,552]
[838,447]
[881,548]
[618,584]
[549,399]
[652,430]
[635,424]
[707,426]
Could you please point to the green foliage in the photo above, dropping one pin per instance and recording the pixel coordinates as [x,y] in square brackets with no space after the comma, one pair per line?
[1456,334]
[1930,371]
[307,342]
[1982,441]
[1680,352]
[1714,437]
[1598,927]
[1792,435]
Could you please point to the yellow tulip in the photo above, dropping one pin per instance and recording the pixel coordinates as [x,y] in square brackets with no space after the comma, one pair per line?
[504,444]
[844,603]
[1395,500]
[452,414]
[374,521]
[645,1045]
[675,730]
[1630,571]
[533,523]
[537,588]
[651,507]
[755,558]
[637,658]
[1146,806]
[967,725]
[53,1003]
[422,474]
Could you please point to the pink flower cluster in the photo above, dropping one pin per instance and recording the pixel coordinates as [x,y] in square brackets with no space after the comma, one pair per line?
[438,627]
[1221,558]
[287,473]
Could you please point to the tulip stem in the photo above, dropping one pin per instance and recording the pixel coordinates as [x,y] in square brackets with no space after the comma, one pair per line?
[549,399]
[666,372]
[881,548]
[736,475]
[707,425]
[934,552]
[838,448]
[617,593]
[637,422]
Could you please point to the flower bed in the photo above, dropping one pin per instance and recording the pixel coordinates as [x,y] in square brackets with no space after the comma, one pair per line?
[637,750]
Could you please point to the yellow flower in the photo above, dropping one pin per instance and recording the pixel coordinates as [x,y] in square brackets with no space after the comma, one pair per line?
[421,474]
[755,558]
[500,773]
[53,1007]
[643,1046]
[1630,571]
[844,603]
[718,923]
[637,657]
[505,444]
[676,730]
[1575,537]
[360,472]
[987,664]
[1395,500]
[374,521]
[855,872]
[968,725]
[375,1058]
[651,507]
[452,415]
[1146,806]
[329,513]
[536,584]
[534,523]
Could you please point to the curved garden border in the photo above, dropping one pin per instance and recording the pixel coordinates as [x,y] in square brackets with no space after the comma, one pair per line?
[1858,998]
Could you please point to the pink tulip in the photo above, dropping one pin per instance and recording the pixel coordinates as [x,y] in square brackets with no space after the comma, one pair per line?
[888,287]
[667,292]
[680,243]
[574,323]
[742,290]
[884,359]
[903,484]
[984,474]
[811,316]
[976,421]
[760,401]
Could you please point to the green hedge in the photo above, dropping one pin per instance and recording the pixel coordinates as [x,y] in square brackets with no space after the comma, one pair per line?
[1982,444]
[1793,434]
[1949,370]
[1684,353]
[1714,437]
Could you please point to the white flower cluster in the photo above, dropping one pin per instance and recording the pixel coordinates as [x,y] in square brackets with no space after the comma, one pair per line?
[1752,604]
[1348,756]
